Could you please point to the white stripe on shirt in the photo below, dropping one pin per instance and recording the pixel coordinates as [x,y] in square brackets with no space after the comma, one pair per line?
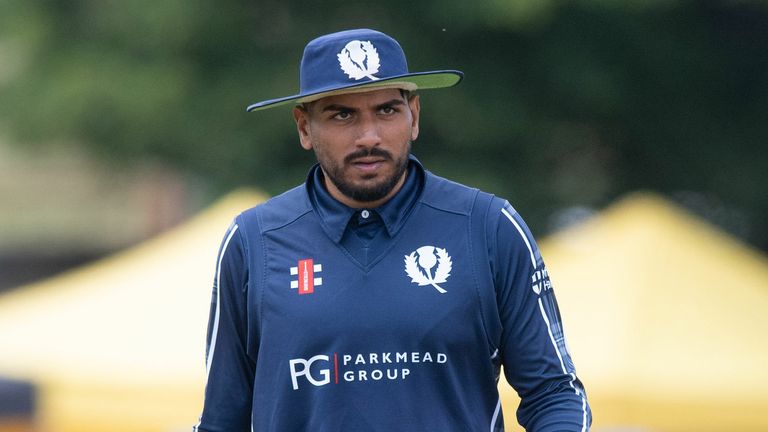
[549,327]
[209,354]
[218,301]
[496,415]
[522,234]
[565,371]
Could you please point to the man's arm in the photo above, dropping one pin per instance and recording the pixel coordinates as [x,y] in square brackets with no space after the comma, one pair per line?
[533,348]
[229,369]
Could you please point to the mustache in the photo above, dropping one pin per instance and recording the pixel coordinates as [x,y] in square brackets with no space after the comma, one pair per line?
[375,151]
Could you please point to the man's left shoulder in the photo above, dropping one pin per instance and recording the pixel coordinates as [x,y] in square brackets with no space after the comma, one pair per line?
[449,195]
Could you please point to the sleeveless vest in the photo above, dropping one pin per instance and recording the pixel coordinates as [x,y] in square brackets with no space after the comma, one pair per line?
[411,338]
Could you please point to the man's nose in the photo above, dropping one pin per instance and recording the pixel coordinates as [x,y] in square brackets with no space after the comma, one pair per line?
[368,133]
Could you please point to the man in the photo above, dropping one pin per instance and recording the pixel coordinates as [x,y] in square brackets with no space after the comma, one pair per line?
[377,296]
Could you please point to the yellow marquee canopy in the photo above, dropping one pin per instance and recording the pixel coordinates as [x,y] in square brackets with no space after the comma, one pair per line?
[118,345]
[666,318]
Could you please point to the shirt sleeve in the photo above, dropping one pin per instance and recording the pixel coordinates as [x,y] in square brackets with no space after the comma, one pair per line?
[229,368]
[533,347]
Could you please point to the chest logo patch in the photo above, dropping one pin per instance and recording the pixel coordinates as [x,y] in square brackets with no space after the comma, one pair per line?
[306,280]
[419,265]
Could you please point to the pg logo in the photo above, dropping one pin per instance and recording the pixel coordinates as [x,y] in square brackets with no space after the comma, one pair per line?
[300,367]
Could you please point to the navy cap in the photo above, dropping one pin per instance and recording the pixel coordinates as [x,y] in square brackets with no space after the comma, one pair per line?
[354,61]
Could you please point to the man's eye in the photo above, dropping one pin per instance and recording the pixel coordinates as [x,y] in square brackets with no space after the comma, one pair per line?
[342,115]
[387,110]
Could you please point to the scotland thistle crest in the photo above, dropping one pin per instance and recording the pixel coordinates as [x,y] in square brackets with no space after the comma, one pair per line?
[359,59]
[419,265]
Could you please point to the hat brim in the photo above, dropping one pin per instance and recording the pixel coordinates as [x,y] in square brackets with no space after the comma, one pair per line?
[411,81]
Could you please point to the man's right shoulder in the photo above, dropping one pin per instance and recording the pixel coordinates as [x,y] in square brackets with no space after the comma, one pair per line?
[279,210]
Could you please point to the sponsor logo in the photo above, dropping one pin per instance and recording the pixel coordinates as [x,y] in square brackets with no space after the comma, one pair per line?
[301,367]
[359,59]
[540,281]
[306,281]
[419,265]
[322,369]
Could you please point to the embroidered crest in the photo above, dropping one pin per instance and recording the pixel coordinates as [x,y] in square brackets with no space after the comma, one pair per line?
[306,281]
[359,59]
[419,264]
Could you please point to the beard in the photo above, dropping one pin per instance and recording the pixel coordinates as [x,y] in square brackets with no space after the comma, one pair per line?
[365,193]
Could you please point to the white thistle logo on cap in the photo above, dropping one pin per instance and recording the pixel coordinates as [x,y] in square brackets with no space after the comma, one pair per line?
[428,256]
[359,59]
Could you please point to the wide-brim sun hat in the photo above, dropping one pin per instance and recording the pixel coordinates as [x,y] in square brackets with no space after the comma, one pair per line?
[355,61]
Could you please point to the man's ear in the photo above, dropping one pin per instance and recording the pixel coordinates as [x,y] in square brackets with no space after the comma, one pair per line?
[301,116]
[415,105]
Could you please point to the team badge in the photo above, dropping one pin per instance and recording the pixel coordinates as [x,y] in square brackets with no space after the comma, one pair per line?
[419,265]
[359,60]
[306,281]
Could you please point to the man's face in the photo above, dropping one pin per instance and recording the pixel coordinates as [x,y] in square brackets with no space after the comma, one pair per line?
[362,142]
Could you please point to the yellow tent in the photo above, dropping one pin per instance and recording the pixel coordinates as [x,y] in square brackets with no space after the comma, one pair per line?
[118,345]
[666,318]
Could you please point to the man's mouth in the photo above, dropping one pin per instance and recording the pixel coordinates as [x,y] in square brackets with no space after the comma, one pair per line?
[368,164]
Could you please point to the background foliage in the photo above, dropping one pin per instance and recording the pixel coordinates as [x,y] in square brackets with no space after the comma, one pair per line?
[565,106]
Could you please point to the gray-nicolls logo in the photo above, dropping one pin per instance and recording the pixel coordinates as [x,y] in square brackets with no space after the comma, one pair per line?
[419,265]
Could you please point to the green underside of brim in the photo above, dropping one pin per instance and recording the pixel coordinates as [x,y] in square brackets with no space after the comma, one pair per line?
[411,82]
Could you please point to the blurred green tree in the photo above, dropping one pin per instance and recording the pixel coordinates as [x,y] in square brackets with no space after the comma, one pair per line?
[564,105]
